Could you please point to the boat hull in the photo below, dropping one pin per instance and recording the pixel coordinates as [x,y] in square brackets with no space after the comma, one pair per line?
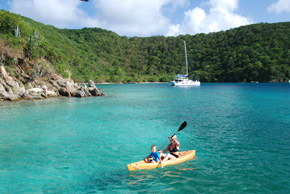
[184,83]
[141,165]
[172,83]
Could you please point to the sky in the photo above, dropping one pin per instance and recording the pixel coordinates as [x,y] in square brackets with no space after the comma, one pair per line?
[145,18]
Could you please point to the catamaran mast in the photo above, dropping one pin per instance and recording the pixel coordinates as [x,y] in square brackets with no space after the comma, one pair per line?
[186,58]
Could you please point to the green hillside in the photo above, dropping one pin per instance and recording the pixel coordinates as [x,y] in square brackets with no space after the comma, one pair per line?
[258,52]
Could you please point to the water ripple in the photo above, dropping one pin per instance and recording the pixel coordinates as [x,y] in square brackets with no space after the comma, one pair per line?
[66,145]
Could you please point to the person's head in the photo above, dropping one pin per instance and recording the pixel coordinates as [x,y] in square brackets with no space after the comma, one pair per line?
[173,138]
[153,148]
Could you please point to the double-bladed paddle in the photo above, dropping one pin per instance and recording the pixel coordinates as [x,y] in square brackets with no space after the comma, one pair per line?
[182,126]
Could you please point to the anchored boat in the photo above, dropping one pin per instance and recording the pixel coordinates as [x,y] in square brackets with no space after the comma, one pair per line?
[141,165]
[182,80]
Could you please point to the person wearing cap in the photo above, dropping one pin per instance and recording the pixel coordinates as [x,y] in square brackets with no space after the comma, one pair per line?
[173,149]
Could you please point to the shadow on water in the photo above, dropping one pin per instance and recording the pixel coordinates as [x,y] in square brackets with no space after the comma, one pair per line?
[156,180]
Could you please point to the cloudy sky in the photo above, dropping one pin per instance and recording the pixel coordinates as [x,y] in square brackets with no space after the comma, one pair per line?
[151,17]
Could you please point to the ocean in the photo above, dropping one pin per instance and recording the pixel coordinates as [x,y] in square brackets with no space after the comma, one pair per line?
[240,132]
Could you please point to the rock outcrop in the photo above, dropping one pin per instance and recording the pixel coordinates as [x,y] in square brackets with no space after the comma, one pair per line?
[51,85]
[30,80]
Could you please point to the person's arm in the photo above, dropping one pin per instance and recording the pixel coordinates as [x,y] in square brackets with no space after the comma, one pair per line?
[166,150]
[147,158]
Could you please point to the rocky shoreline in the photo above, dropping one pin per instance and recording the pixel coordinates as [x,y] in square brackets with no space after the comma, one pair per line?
[51,85]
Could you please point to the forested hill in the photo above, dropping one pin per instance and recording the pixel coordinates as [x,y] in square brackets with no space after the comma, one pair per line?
[258,52]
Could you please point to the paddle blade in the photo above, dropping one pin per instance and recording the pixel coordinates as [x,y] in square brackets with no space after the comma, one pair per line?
[182,126]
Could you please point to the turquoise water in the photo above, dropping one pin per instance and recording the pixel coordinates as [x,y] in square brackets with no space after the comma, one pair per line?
[69,145]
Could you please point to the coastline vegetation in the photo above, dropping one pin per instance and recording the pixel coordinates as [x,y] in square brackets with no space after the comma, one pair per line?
[257,52]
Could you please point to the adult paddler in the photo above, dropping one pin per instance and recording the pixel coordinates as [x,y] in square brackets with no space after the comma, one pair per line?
[173,149]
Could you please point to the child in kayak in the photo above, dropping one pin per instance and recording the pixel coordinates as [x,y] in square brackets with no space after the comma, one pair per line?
[154,156]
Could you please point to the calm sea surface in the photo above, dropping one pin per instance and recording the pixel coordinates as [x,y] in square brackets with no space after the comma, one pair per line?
[241,134]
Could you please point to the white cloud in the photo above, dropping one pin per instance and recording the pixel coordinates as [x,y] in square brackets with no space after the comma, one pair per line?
[194,20]
[126,17]
[221,16]
[60,13]
[280,6]
[133,17]
[224,5]
[173,30]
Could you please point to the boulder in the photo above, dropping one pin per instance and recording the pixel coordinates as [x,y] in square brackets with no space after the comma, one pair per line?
[80,93]
[26,96]
[56,77]
[62,83]
[35,91]
[13,98]
[101,94]
[50,93]
[85,91]
[70,88]
[54,84]
[8,82]
[7,88]
[33,84]
[94,91]
[17,89]
[33,94]
[10,97]
[76,86]
[29,85]
[40,82]
[63,92]
[44,88]
[3,71]
[2,89]
[92,84]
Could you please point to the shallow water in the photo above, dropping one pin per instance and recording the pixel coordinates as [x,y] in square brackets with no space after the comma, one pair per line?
[69,145]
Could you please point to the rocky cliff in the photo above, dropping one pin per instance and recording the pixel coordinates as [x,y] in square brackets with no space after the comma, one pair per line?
[30,80]
[51,85]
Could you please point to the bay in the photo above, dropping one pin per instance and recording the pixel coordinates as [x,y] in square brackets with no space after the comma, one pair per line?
[70,145]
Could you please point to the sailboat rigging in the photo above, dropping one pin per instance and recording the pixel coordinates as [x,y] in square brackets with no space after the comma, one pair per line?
[182,80]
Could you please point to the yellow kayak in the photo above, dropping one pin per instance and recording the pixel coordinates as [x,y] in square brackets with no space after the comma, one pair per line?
[141,165]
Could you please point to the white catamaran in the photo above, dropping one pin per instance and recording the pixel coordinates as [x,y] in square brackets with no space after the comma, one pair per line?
[182,80]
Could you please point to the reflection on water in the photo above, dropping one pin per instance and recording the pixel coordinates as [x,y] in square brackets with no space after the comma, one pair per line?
[156,180]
